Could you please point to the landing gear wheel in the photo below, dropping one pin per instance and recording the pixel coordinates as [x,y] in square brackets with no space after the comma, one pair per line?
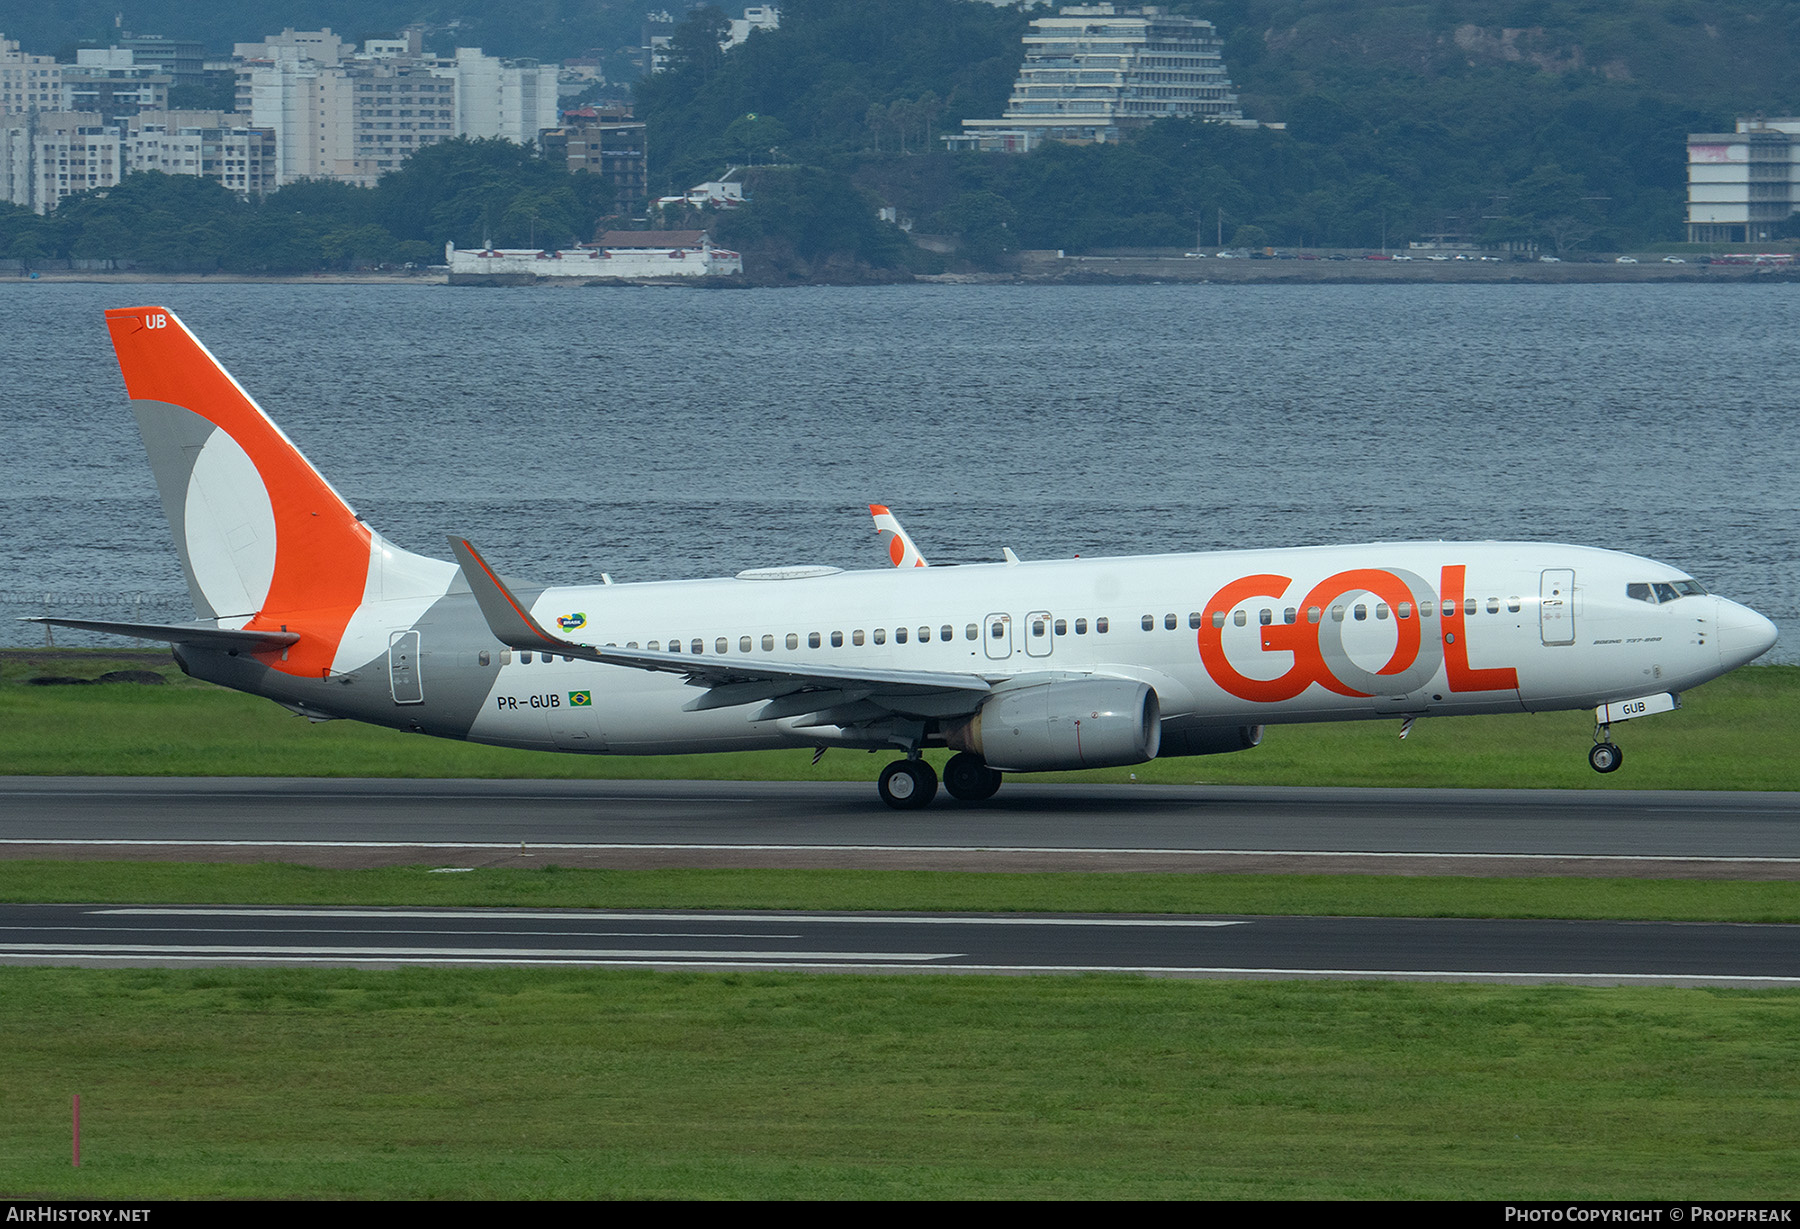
[1605,757]
[907,785]
[969,779]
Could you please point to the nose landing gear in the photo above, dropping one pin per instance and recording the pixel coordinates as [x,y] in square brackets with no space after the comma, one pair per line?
[1605,755]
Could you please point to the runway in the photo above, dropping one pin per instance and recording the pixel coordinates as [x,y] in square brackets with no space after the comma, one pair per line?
[1438,949]
[1030,826]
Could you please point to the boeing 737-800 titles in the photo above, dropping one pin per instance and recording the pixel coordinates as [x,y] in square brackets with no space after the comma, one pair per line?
[1016,666]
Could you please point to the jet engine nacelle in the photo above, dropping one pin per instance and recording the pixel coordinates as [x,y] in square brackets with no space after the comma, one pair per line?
[1210,740]
[1096,723]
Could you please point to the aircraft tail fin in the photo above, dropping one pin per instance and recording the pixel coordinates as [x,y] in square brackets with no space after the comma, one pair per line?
[265,541]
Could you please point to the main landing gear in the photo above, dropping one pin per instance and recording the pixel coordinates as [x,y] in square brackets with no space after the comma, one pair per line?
[969,779]
[908,785]
[1605,755]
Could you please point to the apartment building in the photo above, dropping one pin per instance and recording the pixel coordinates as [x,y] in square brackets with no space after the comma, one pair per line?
[1097,72]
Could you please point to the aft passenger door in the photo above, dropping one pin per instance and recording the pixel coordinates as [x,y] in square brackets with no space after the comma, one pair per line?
[404,682]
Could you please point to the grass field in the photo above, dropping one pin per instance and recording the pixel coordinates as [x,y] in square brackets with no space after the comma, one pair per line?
[1675,900]
[526,1083]
[452,1083]
[1738,732]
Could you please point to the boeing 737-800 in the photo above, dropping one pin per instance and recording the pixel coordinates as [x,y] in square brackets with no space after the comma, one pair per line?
[1016,666]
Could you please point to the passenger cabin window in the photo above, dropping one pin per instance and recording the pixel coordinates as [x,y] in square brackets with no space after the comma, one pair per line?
[1193,620]
[1062,627]
[1240,617]
[1100,626]
[483,657]
[697,646]
[856,637]
[793,640]
[1081,627]
[881,635]
[972,632]
[924,635]
[1149,622]
[1170,622]
[837,640]
[946,633]
[1265,616]
[525,657]
[812,640]
[768,644]
[900,634]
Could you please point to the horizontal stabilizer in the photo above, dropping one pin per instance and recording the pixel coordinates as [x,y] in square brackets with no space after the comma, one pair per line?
[201,635]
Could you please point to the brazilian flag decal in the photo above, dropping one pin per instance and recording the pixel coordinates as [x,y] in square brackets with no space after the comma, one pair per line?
[580,699]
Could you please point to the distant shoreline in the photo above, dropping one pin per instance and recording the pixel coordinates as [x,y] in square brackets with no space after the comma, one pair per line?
[1087,271]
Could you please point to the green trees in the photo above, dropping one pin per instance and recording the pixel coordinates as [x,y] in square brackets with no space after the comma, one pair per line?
[465,191]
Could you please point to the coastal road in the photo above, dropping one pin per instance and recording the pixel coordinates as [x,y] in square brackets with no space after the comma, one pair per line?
[1454,949]
[1028,826]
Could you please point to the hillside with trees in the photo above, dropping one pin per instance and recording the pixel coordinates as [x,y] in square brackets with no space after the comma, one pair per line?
[1557,124]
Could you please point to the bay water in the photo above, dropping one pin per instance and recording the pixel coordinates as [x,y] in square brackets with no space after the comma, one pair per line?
[664,433]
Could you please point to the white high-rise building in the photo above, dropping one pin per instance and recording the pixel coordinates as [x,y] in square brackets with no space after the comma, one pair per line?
[1096,72]
[1743,185]
[215,145]
[511,99]
[48,155]
[355,116]
[28,82]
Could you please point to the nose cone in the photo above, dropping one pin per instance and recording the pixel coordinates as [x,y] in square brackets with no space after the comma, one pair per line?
[1744,635]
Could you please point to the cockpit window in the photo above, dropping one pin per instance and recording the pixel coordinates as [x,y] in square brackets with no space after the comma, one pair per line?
[1664,591]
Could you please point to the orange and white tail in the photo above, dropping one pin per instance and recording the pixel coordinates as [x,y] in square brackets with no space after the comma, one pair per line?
[900,549]
[265,541]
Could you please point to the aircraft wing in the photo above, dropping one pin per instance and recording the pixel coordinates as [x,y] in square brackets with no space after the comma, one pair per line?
[203,635]
[827,695]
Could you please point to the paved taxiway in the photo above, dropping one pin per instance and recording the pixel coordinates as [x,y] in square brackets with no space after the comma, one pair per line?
[1029,826]
[1608,953]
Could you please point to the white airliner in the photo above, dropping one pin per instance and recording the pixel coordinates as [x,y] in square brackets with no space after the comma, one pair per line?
[1016,666]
